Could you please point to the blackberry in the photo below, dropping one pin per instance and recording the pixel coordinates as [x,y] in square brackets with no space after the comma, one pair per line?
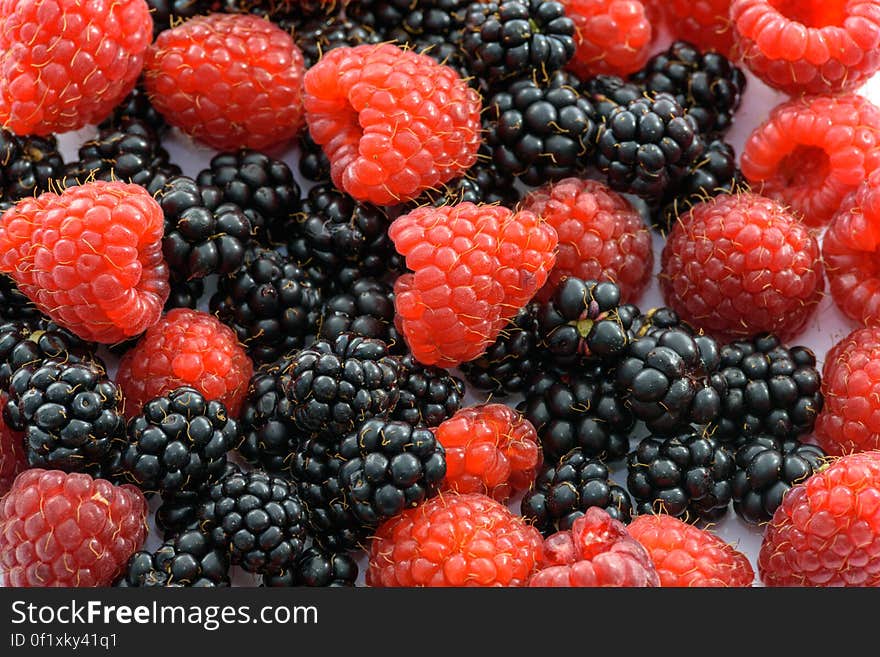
[428,395]
[367,309]
[577,410]
[30,342]
[71,414]
[389,466]
[317,36]
[136,105]
[185,560]
[336,385]
[540,131]
[771,389]
[271,304]
[317,567]
[258,518]
[564,490]
[685,475]
[647,146]
[585,321]
[14,304]
[483,183]
[256,183]
[28,165]
[185,294]
[179,442]
[766,468]
[313,162]
[178,512]
[707,85]
[608,91]
[169,13]
[669,379]
[511,361]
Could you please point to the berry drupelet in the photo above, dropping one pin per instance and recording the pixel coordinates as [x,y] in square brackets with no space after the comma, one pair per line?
[313,163]
[322,34]
[317,567]
[31,341]
[136,105]
[168,13]
[185,294]
[366,308]
[606,92]
[185,560]
[482,183]
[179,512]
[28,164]
[428,395]
[14,304]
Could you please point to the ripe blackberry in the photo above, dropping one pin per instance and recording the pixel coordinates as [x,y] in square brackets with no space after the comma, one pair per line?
[336,385]
[707,85]
[584,321]
[482,183]
[317,36]
[669,379]
[185,560]
[540,131]
[565,489]
[511,361]
[262,186]
[28,342]
[179,512]
[513,38]
[169,13]
[688,475]
[577,410]
[28,165]
[313,162]
[136,105]
[366,308]
[766,468]
[648,145]
[771,389]
[179,442]
[258,518]
[71,414]
[13,302]
[202,234]
[317,567]
[185,294]
[428,394]
[272,304]
[608,91]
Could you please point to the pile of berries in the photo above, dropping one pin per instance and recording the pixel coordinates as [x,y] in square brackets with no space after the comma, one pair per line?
[432,365]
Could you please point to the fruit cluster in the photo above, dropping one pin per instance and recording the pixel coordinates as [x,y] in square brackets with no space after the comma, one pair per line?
[433,360]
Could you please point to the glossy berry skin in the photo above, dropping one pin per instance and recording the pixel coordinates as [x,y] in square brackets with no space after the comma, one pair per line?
[65,65]
[596,552]
[808,47]
[741,264]
[102,276]
[688,556]
[454,540]
[13,304]
[178,512]
[825,532]
[13,458]
[366,308]
[31,341]
[490,449]
[611,36]
[203,80]
[27,164]
[317,567]
[812,151]
[185,348]
[59,529]
[186,560]
[349,110]
[705,23]
[428,395]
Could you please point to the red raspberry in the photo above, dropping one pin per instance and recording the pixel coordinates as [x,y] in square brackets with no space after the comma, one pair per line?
[454,540]
[185,348]
[827,530]
[474,267]
[230,81]
[392,122]
[850,251]
[596,551]
[490,449]
[601,235]
[67,64]
[811,152]
[704,23]
[612,37]
[740,264]
[685,555]
[60,529]
[90,258]
[13,458]
[808,46]
[850,418]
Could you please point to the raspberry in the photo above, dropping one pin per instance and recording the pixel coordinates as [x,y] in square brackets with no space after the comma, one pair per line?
[601,235]
[230,81]
[611,37]
[474,267]
[490,449]
[90,258]
[808,46]
[811,152]
[704,23]
[740,264]
[596,551]
[13,458]
[849,250]
[186,348]
[67,64]
[392,122]
[685,555]
[827,531]
[59,529]
[454,540]
[851,384]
